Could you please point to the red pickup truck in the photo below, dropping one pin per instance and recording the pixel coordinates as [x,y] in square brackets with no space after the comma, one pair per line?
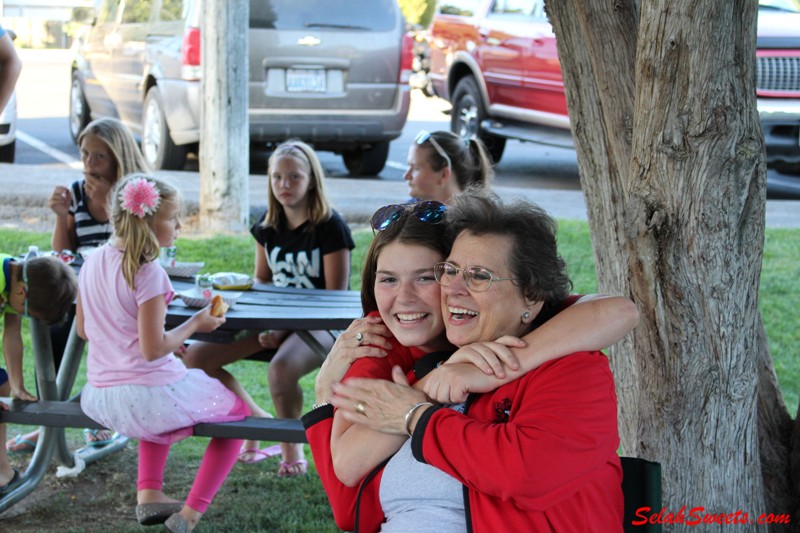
[496,62]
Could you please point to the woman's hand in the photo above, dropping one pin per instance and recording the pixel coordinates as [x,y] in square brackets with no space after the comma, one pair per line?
[378,404]
[491,357]
[347,349]
[59,201]
[452,383]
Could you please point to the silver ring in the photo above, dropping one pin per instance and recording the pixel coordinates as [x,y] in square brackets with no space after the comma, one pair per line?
[359,337]
[360,408]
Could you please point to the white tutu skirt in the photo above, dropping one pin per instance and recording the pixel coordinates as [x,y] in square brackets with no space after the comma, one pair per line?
[162,414]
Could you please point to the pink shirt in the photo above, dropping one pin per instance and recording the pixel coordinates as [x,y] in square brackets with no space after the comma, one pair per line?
[110,311]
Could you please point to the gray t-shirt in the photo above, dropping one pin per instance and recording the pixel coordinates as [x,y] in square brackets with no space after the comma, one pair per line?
[419,498]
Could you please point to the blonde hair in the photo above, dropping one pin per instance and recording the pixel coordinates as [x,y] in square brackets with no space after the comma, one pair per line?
[120,141]
[319,209]
[141,244]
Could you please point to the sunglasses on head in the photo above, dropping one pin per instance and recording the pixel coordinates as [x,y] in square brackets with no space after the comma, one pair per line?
[430,212]
[424,136]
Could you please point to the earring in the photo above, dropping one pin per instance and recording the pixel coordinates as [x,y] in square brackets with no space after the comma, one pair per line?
[526,315]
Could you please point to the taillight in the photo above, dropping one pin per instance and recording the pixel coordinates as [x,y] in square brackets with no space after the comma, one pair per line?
[190,54]
[406,58]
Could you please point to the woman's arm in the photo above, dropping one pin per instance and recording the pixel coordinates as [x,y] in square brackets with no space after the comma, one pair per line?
[337,269]
[592,323]
[155,342]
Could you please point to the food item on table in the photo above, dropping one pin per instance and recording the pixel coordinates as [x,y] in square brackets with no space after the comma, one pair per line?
[218,306]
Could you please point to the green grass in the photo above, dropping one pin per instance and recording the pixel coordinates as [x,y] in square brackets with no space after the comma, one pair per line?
[253,498]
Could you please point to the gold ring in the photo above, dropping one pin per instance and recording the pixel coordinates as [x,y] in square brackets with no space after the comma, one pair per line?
[361,408]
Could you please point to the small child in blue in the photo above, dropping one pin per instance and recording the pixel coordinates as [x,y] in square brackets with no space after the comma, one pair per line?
[41,287]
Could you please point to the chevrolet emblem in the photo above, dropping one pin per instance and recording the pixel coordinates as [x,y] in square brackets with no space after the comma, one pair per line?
[309,40]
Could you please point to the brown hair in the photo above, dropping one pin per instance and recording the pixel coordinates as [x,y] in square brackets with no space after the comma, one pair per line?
[319,209]
[540,273]
[406,229]
[52,288]
[469,159]
[141,244]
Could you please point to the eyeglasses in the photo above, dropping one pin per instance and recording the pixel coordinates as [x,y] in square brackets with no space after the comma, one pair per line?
[430,212]
[477,278]
[423,136]
[25,283]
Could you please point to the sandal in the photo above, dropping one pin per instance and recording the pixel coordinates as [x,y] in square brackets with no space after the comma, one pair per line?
[94,441]
[254,455]
[11,485]
[288,469]
[20,444]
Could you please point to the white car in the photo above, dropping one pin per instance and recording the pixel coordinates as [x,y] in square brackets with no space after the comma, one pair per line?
[8,131]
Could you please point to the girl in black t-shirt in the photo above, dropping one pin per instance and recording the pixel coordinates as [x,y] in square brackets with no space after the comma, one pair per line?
[300,242]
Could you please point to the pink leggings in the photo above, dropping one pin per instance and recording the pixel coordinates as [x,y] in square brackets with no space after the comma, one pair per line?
[217,462]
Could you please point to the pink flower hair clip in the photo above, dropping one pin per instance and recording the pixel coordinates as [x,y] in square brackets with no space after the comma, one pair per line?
[140,197]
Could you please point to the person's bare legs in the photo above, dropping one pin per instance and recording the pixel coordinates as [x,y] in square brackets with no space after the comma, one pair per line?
[211,358]
[293,360]
[6,471]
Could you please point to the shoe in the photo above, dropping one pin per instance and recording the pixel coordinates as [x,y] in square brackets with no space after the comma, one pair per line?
[254,455]
[177,524]
[92,439]
[150,514]
[11,485]
[20,444]
[287,469]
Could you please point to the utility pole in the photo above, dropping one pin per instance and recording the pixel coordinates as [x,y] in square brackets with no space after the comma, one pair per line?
[225,130]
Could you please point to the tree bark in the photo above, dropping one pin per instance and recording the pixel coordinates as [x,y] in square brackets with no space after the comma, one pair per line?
[671,157]
[225,131]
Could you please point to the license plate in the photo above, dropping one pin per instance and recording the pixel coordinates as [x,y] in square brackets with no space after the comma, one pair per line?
[305,80]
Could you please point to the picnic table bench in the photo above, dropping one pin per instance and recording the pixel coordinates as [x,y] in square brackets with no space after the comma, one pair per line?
[262,307]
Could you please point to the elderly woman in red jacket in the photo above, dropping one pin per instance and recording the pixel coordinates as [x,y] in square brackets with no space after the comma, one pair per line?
[537,453]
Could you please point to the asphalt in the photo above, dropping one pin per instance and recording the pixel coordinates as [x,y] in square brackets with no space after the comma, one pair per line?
[25,189]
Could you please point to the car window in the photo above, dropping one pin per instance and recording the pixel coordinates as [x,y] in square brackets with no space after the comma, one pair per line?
[172,10]
[137,12]
[108,12]
[377,15]
[517,8]
[464,8]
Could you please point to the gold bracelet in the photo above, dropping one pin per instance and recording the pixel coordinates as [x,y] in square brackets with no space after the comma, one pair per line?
[410,413]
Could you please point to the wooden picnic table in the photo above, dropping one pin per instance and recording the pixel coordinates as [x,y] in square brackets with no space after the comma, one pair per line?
[262,307]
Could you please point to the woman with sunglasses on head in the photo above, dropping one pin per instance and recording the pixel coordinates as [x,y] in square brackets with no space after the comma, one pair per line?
[442,164]
[407,298]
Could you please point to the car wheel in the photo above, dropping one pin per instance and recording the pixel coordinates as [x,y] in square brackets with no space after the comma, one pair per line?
[8,151]
[78,108]
[158,149]
[467,115]
[367,161]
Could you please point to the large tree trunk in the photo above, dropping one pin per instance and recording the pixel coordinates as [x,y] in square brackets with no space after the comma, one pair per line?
[670,151]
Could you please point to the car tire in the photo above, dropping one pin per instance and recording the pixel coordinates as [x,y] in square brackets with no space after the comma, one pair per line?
[8,152]
[367,161]
[79,114]
[467,115]
[160,152]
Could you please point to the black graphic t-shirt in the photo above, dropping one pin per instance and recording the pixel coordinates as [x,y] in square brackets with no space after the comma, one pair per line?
[295,256]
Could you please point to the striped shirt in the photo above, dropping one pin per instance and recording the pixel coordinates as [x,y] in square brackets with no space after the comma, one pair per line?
[90,231]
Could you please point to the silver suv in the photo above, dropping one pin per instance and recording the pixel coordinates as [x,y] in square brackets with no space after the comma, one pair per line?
[334,74]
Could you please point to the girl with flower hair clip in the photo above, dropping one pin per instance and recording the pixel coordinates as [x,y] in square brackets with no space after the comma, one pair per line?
[121,308]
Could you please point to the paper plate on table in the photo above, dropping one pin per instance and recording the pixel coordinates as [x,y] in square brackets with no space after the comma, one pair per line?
[184,270]
[194,298]
[231,281]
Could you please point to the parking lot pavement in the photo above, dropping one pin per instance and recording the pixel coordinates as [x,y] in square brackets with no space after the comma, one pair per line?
[27,187]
